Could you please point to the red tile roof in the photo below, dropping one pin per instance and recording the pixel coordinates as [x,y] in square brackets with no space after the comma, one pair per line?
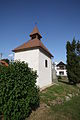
[4,63]
[35,31]
[33,43]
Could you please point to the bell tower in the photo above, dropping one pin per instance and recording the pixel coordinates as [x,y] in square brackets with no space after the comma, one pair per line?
[35,34]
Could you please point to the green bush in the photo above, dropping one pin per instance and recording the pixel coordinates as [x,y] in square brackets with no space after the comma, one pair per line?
[18,91]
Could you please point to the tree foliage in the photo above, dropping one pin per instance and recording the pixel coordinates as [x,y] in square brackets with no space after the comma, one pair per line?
[73,61]
[18,91]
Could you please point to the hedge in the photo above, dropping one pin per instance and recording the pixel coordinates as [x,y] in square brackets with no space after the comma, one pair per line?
[18,91]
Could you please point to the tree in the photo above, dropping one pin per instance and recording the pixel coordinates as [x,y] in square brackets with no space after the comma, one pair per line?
[78,48]
[78,59]
[73,61]
[18,91]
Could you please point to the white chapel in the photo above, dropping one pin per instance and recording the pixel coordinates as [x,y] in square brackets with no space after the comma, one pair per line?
[37,56]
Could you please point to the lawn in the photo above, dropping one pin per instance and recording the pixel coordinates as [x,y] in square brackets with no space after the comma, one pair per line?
[70,110]
[58,102]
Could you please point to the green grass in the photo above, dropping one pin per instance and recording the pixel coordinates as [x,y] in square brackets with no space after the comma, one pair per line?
[66,110]
[70,110]
[58,91]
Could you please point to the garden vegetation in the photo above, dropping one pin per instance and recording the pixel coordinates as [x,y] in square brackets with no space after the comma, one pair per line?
[18,91]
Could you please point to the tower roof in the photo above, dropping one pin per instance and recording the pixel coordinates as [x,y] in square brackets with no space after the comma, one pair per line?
[34,43]
[35,31]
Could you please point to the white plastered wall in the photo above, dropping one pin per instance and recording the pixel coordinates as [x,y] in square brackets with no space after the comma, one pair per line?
[60,70]
[36,60]
[31,57]
[45,73]
[65,73]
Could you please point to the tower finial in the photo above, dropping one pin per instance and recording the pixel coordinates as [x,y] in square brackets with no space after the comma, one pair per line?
[36,23]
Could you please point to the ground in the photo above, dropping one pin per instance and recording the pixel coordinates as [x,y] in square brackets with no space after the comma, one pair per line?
[58,102]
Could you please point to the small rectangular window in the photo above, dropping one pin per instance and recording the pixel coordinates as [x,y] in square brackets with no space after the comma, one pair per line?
[46,63]
[61,73]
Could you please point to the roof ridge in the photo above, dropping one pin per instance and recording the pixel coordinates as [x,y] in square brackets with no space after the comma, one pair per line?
[32,44]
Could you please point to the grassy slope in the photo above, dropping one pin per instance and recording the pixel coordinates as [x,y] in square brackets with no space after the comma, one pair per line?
[70,110]
[58,92]
[54,105]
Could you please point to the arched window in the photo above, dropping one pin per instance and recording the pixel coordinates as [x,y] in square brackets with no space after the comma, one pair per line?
[46,63]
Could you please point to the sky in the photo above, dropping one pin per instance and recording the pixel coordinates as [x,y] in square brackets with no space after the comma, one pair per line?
[57,20]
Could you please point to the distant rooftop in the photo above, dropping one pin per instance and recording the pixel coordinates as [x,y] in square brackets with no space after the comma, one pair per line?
[60,64]
[3,63]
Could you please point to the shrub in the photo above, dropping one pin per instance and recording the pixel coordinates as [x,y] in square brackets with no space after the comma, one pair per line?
[18,91]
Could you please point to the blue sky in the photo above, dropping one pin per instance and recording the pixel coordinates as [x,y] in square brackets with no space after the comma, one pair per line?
[57,21]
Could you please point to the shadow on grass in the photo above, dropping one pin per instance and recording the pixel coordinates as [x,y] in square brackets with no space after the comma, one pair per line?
[66,82]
